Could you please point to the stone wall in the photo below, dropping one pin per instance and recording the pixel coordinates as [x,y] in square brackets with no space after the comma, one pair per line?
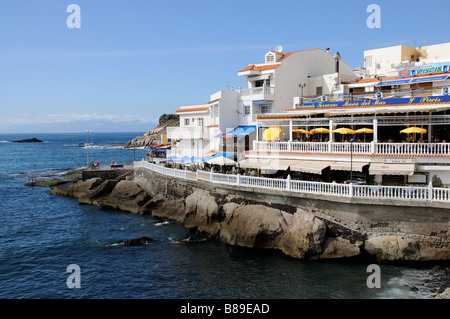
[357,214]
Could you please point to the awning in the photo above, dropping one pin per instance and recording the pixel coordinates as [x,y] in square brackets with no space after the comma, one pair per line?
[159,147]
[250,163]
[347,166]
[414,80]
[260,102]
[278,164]
[394,82]
[314,167]
[430,79]
[391,169]
[239,131]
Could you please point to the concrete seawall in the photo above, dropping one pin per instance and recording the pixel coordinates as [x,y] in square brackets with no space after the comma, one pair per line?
[367,216]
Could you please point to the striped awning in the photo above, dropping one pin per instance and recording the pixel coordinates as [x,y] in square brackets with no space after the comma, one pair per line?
[347,166]
[314,167]
[392,169]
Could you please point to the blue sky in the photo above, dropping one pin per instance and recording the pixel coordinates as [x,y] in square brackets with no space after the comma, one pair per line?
[132,61]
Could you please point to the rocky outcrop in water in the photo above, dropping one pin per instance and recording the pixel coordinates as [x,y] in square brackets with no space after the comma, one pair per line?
[28,140]
[294,231]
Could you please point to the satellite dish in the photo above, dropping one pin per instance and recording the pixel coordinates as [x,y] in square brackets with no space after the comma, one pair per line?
[279,49]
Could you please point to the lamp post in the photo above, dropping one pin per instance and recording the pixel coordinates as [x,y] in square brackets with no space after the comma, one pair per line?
[151,150]
[87,149]
[134,150]
[351,159]
[92,145]
[302,85]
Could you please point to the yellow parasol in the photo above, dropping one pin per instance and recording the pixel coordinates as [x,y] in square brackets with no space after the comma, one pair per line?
[344,130]
[364,130]
[272,133]
[302,131]
[414,129]
[320,130]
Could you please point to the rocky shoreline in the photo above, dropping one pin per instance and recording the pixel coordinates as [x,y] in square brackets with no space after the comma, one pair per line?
[235,220]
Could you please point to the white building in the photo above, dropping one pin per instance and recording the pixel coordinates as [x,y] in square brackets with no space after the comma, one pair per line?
[387,61]
[228,121]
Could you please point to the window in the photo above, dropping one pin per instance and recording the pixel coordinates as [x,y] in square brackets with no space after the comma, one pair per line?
[200,121]
[270,58]
[246,109]
[259,83]
[265,108]
[214,113]
[319,90]
[186,122]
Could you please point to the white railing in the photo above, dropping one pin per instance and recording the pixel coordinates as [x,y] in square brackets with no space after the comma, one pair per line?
[258,90]
[414,193]
[414,149]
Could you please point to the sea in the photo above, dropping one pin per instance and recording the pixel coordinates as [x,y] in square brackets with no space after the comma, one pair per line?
[43,236]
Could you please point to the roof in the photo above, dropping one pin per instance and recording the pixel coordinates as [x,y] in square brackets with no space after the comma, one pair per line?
[254,67]
[271,65]
[192,108]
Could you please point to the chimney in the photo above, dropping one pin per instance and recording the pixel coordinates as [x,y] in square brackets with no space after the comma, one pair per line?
[337,58]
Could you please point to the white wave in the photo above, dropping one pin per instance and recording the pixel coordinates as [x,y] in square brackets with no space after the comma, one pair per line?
[162,223]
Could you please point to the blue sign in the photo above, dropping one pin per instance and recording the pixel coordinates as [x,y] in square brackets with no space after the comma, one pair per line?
[424,69]
[380,102]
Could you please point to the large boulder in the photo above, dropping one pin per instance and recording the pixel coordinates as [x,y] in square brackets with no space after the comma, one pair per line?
[126,195]
[255,226]
[407,247]
[94,194]
[161,207]
[337,247]
[202,213]
[77,189]
[305,235]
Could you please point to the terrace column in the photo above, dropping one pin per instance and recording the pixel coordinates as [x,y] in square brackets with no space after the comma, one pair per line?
[375,130]
[330,125]
[290,130]
[430,136]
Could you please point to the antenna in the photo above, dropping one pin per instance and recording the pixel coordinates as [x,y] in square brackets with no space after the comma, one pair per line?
[279,49]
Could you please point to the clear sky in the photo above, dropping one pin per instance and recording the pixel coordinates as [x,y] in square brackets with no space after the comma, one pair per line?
[131,61]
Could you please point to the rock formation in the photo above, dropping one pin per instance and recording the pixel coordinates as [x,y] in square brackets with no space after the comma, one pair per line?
[153,136]
[296,232]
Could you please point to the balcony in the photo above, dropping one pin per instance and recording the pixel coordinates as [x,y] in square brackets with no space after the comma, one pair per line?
[187,132]
[369,149]
[258,93]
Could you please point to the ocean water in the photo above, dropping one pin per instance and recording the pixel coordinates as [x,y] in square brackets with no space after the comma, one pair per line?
[41,235]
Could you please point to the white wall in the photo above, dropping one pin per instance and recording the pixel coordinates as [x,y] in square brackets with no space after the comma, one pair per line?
[296,68]
[438,52]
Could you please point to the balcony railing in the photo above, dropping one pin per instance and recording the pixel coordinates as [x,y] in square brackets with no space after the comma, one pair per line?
[188,132]
[407,193]
[372,148]
[262,90]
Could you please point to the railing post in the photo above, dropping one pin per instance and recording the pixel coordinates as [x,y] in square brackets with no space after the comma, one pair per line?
[372,147]
[238,179]
[350,190]
[430,191]
[288,183]
[289,146]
